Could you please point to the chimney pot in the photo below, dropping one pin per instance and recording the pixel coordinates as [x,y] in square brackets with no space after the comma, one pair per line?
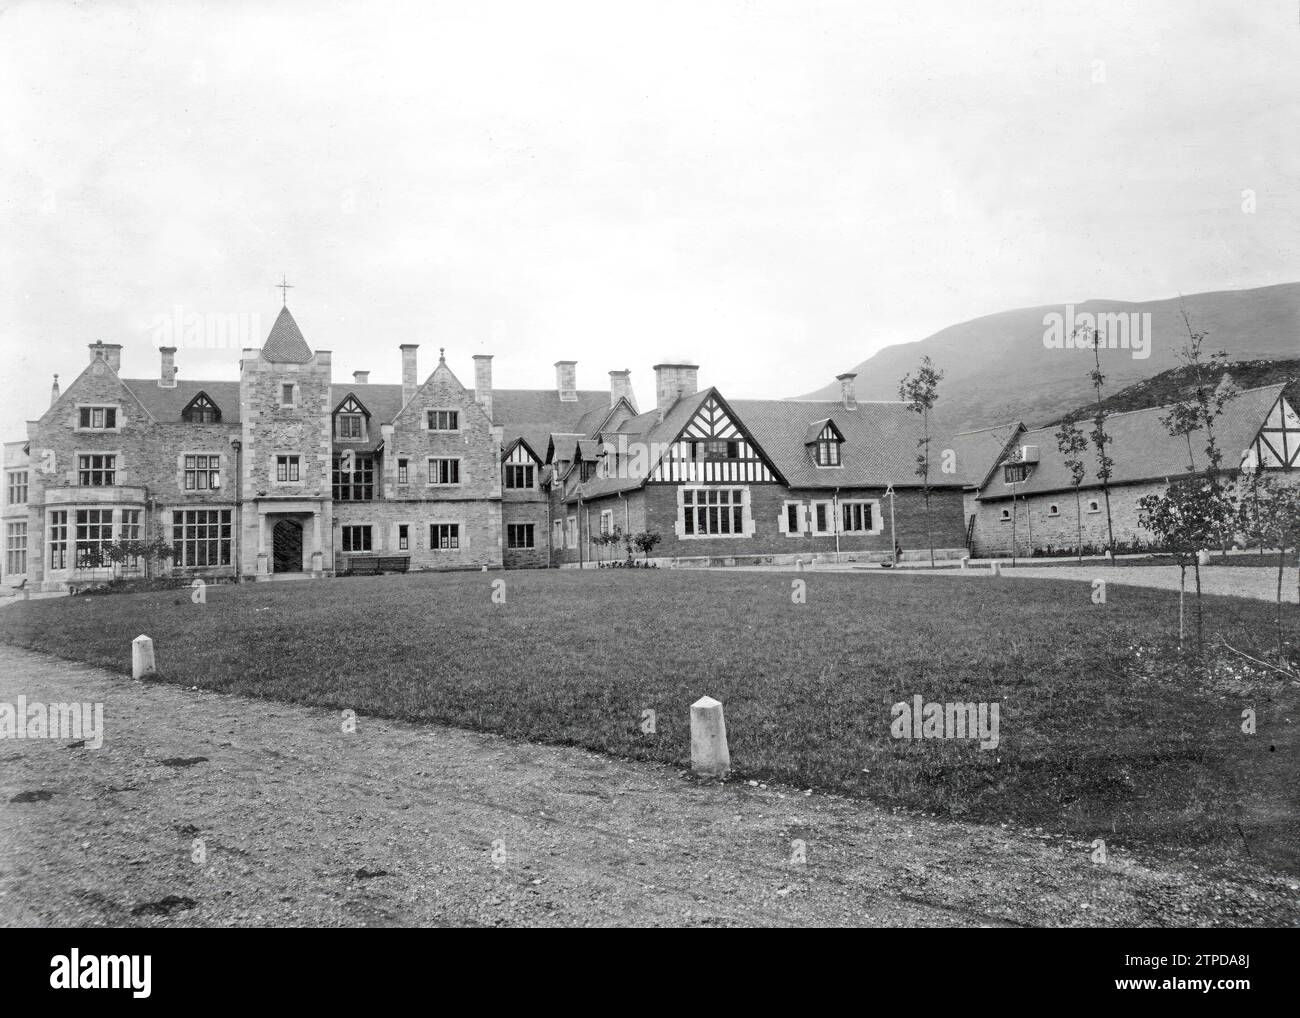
[483,381]
[409,374]
[167,373]
[620,387]
[566,380]
[361,377]
[848,391]
[672,382]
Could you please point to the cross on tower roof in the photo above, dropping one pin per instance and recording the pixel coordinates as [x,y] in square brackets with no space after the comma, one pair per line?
[284,287]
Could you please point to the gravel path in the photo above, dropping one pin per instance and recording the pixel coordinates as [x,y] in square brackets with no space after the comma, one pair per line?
[396,824]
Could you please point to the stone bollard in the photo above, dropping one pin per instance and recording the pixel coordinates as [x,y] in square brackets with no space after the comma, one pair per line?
[798,565]
[1203,557]
[142,660]
[709,754]
[997,568]
[965,561]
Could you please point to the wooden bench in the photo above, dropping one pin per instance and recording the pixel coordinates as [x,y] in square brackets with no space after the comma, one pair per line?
[373,565]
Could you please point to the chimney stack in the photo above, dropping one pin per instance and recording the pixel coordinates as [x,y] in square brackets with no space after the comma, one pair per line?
[566,380]
[483,382]
[620,387]
[54,391]
[111,353]
[409,375]
[167,374]
[361,378]
[672,382]
[848,392]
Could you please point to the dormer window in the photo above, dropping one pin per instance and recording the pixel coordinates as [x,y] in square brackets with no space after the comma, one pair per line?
[201,410]
[825,439]
[1014,473]
[828,452]
[350,421]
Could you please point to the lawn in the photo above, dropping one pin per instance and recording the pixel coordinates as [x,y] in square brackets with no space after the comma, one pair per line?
[1104,730]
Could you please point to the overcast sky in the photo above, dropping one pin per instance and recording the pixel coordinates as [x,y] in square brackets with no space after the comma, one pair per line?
[774,190]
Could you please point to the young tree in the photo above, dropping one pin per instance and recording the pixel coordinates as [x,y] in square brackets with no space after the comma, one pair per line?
[1099,437]
[921,394]
[1072,443]
[1197,410]
[1271,513]
[646,541]
[1184,519]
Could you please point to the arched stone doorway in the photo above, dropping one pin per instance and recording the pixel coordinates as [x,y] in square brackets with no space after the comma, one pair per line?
[286,547]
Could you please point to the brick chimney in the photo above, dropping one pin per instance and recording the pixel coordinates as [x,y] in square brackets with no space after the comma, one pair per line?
[409,374]
[620,386]
[167,373]
[566,380]
[483,382]
[361,378]
[672,382]
[110,352]
[848,391]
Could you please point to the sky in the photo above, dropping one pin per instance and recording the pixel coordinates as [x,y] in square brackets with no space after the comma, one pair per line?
[771,190]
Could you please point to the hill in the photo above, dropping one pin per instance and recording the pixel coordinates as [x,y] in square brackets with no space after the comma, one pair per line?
[998,368]
[1168,386]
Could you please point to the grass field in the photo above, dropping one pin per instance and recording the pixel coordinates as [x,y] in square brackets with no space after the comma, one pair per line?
[1105,731]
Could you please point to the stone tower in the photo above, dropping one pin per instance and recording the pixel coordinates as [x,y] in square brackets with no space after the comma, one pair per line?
[285,455]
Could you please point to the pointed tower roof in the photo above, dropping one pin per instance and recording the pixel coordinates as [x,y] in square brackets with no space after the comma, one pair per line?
[285,344]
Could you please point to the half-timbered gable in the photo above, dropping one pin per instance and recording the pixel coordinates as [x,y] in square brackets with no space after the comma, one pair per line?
[1277,446]
[713,448]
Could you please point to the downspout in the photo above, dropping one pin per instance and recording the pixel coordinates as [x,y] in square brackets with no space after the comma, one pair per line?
[835,503]
[580,562]
[238,514]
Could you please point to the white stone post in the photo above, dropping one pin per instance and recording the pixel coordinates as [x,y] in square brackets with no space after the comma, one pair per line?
[997,568]
[142,659]
[709,754]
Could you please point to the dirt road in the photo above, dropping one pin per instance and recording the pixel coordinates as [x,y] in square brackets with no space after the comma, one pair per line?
[398,824]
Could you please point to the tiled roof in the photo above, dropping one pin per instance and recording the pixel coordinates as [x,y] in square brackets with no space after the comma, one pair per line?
[1142,448]
[979,452]
[880,442]
[166,404]
[543,408]
[285,344]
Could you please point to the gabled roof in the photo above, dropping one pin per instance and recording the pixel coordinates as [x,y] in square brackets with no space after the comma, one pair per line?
[816,428]
[166,403]
[979,452]
[880,442]
[535,441]
[285,344]
[1142,448]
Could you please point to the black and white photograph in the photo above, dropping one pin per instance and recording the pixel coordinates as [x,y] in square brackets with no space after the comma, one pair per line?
[721,464]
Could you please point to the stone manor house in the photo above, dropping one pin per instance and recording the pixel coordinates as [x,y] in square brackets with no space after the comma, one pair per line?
[287,471]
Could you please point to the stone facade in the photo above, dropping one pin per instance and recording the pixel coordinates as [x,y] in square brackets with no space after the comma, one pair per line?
[287,472]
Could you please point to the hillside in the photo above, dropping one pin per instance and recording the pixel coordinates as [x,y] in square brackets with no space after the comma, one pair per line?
[998,368]
[1168,386]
